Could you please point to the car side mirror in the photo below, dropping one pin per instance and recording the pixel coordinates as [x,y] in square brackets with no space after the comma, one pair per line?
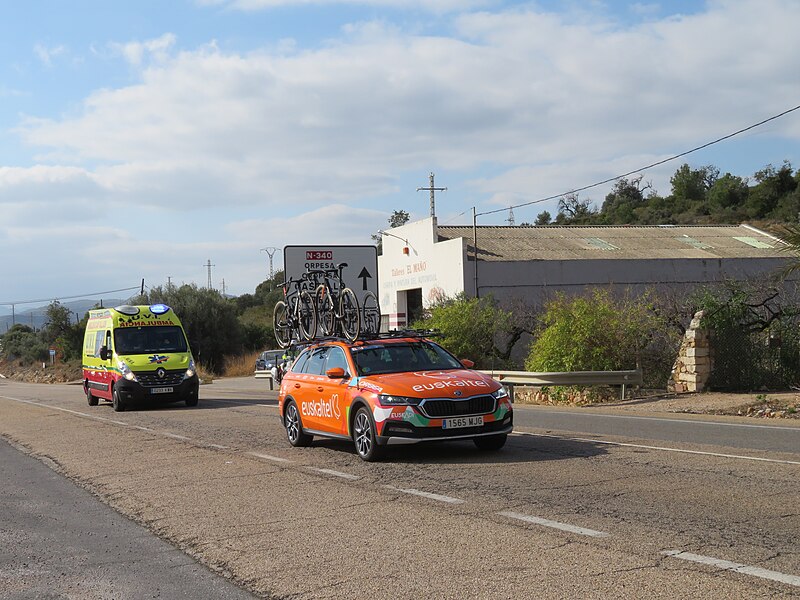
[467,363]
[336,373]
[104,353]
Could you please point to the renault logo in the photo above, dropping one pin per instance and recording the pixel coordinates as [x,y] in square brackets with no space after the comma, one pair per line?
[161,373]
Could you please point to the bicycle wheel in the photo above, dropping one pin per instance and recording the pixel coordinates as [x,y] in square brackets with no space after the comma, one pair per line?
[326,311]
[349,314]
[370,315]
[307,316]
[280,324]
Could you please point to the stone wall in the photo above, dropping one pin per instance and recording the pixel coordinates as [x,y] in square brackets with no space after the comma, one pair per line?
[693,366]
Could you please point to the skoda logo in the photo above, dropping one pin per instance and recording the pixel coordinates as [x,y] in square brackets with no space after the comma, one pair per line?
[457,393]
[161,373]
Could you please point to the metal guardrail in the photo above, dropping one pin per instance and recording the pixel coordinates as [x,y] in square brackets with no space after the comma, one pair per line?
[582,378]
[265,375]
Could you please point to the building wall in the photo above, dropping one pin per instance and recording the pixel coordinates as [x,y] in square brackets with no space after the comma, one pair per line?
[536,281]
[437,270]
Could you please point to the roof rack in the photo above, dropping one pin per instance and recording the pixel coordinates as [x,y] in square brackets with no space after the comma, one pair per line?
[385,335]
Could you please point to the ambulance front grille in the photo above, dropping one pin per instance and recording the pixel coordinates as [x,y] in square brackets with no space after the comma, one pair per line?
[151,378]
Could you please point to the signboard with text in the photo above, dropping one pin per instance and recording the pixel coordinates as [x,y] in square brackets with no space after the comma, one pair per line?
[360,274]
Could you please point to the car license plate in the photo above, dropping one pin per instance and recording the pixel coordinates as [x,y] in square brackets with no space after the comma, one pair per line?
[161,390]
[462,422]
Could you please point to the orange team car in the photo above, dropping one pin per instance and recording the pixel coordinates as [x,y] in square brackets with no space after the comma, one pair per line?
[391,390]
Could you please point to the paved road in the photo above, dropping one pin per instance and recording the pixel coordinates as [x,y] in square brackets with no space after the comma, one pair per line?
[730,432]
[558,513]
[58,541]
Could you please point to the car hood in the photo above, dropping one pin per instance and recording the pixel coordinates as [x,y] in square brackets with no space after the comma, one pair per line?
[429,384]
[151,362]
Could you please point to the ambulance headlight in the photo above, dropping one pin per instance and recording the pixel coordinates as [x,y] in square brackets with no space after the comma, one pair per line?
[190,372]
[126,371]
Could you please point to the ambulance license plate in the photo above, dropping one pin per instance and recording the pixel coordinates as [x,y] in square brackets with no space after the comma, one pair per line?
[161,390]
[462,422]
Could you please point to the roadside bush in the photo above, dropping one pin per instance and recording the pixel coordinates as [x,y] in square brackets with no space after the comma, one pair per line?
[473,328]
[21,342]
[599,332]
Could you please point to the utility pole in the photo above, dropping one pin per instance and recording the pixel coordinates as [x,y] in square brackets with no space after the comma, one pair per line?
[432,189]
[510,219]
[223,287]
[270,250]
[209,265]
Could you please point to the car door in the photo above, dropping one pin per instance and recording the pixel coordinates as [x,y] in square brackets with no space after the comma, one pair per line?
[309,388]
[336,390]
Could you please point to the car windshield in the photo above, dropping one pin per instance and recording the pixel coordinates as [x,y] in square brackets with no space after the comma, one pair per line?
[143,340]
[400,357]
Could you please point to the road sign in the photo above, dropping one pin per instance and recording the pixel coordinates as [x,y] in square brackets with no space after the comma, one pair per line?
[360,274]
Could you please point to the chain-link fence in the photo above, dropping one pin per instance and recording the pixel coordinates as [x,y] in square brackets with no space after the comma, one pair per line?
[746,360]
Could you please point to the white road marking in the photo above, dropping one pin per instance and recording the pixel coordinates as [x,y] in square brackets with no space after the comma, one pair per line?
[554,524]
[335,473]
[66,410]
[176,436]
[218,446]
[663,448]
[269,457]
[691,421]
[727,565]
[438,497]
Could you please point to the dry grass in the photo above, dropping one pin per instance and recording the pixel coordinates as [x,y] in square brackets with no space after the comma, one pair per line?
[240,366]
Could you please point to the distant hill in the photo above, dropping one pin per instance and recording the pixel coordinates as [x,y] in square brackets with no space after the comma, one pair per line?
[36,317]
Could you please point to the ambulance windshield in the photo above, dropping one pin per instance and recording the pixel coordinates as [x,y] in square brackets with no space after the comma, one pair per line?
[143,340]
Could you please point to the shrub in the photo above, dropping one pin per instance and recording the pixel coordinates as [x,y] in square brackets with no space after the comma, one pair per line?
[596,332]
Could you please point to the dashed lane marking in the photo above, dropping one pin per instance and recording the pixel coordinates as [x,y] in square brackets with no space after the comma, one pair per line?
[269,457]
[554,524]
[727,565]
[430,496]
[663,448]
[335,473]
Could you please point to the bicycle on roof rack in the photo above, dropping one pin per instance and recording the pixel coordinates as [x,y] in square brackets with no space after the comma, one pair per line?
[295,317]
[336,304]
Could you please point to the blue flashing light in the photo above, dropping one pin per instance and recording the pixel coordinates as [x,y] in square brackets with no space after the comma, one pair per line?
[158,309]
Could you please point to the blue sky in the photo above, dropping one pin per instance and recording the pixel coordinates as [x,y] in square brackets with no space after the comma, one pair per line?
[140,139]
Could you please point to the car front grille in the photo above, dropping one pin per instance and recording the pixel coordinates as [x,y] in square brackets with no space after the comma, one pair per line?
[442,407]
[151,378]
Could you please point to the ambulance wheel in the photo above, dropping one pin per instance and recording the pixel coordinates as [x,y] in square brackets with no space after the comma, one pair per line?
[90,398]
[490,442]
[294,427]
[117,402]
[365,437]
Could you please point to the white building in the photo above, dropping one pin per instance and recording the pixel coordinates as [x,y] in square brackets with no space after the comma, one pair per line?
[422,261]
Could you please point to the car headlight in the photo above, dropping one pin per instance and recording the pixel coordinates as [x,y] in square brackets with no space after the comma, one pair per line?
[501,393]
[126,370]
[191,370]
[389,400]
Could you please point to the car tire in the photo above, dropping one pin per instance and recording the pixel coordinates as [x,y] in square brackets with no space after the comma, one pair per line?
[116,401]
[191,401]
[491,442]
[294,427]
[91,398]
[365,436]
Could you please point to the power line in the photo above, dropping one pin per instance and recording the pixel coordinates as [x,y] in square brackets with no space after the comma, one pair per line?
[70,297]
[640,169]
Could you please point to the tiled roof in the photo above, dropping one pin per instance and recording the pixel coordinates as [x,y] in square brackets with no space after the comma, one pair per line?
[510,243]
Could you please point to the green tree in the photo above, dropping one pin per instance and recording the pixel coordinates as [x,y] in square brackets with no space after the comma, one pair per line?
[474,328]
[595,332]
[209,319]
[621,203]
[543,218]
[772,186]
[23,343]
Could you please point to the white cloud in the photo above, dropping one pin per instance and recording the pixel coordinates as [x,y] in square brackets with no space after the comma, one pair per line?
[436,6]
[46,54]
[156,49]
[536,102]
